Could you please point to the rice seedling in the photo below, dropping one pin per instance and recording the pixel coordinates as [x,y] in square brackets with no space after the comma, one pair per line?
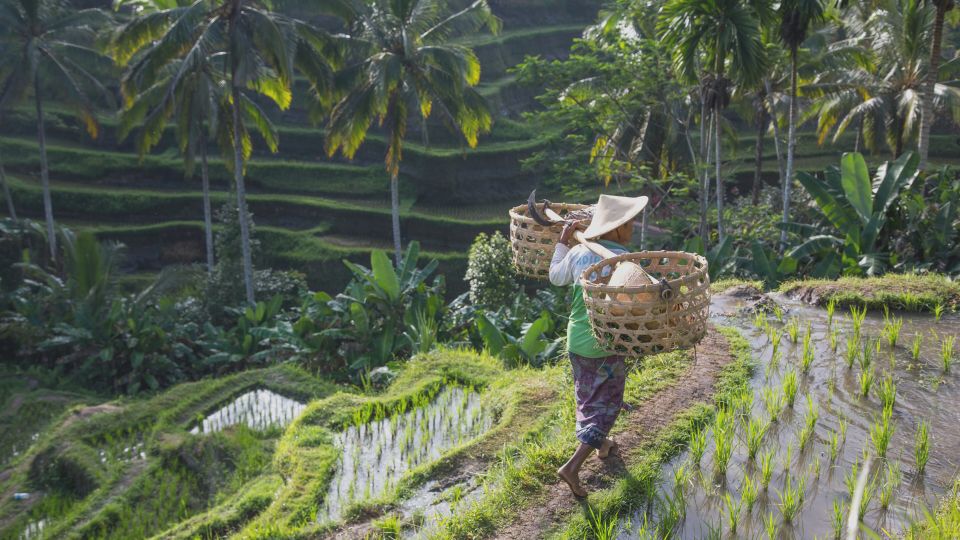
[745,402]
[791,498]
[946,352]
[773,402]
[759,319]
[811,422]
[723,431]
[790,387]
[748,492]
[793,329]
[915,346]
[770,526]
[852,351]
[698,443]
[756,430]
[891,329]
[807,357]
[887,392]
[778,312]
[602,527]
[865,380]
[938,311]
[839,512]
[868,492]
[834,446]
[842,423]
[881,432]
[921,446]
[816,468]
[674,512]
[891,481]
[733,513]
[766,468]
[834,339]
[775,337]
[681,475]
[788,457]
[831,307]
[866,358]
[857,316]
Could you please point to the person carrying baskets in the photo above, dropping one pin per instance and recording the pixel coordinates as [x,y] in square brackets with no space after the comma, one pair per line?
[599,377]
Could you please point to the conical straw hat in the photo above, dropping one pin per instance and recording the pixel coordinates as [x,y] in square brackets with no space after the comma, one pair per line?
[613,211]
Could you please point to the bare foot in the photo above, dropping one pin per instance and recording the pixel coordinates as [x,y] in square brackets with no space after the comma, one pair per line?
[606,448]
[573,481]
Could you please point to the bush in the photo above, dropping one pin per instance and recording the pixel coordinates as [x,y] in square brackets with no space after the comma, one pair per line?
[490,272]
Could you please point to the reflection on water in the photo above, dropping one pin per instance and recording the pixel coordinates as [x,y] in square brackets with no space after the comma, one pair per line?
[259,409]
[373,456]
[923,392]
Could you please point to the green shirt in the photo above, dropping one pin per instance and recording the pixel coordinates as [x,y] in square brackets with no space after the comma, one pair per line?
[567,270]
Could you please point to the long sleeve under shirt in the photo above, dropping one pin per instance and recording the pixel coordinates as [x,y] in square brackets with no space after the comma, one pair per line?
[566,267]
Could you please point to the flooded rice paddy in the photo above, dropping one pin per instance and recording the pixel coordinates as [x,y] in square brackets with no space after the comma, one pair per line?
[258,409]
[374,455]
[831,397]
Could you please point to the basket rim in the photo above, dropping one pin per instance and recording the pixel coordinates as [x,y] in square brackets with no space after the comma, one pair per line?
[653,287]
[518,213]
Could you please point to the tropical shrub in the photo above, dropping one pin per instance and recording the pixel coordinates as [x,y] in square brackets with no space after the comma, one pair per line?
[855,211]
[929,226]
[490,272]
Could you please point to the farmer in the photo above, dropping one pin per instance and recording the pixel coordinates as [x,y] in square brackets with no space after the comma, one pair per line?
[598,377]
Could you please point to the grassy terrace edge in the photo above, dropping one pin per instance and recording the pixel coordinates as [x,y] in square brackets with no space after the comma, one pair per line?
[909,292]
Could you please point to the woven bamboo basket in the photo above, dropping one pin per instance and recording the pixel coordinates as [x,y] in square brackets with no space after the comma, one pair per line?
[533,243]
[638,321]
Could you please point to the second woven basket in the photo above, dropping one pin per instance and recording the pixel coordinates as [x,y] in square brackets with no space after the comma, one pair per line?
[638,321]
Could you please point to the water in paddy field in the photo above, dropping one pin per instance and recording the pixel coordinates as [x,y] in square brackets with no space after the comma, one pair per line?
[374,455]
[258,409]
[924,392]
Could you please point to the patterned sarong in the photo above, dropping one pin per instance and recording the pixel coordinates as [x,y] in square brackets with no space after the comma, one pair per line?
[599,384]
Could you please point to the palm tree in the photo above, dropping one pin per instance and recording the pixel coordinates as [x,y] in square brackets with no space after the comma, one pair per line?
[716,43]
[195,99]
[928,90]
[796,16]
[44,41]
[256,50]
[404,61]
[879,92]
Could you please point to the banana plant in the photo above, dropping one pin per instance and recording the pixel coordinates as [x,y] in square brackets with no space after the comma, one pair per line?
[855,209]
[764,266]
[531,346]
[721,258]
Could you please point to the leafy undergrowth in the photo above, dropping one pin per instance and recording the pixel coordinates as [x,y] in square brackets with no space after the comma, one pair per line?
[909,292]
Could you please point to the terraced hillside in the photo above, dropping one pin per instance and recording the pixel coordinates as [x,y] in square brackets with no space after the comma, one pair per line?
[313,211]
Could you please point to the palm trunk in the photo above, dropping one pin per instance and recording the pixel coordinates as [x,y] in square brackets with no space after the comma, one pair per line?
[929,86]
[395,214]
[244,218]
[6,193]
[776,135]
[207,214]
[716,127]
[762,122]
[705,183]
[791,147]
[44,172]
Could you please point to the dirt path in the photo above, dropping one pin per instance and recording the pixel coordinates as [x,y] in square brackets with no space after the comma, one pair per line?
[644,423]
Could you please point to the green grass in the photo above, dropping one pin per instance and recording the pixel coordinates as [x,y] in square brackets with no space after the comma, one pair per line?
[908,292]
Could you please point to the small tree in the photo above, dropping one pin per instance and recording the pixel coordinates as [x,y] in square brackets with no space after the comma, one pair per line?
[490,271]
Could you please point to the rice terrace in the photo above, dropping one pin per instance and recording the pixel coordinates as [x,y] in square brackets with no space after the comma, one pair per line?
[467,269]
